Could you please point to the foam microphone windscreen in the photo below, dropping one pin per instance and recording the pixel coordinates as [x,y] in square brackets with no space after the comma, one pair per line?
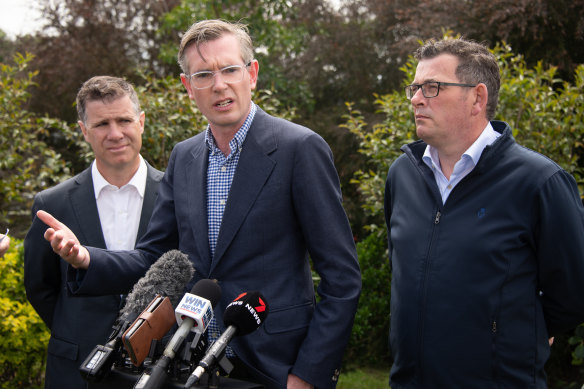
[207,289]
[247,312]
[167,277]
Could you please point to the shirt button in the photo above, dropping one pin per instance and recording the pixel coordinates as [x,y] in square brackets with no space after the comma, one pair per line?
[222,202]
[223,169]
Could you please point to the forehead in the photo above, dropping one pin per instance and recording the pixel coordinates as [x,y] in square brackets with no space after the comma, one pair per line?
[110,108]
[216,53]
[439,68]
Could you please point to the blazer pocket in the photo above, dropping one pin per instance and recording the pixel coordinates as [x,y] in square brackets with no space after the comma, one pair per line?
[63,349]
[289,318]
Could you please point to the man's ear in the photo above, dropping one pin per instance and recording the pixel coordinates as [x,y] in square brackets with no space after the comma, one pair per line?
[481,94]
[254,69]
[142,120]
[187,84]
[83,129]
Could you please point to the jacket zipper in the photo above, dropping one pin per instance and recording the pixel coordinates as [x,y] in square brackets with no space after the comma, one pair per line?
[423,297]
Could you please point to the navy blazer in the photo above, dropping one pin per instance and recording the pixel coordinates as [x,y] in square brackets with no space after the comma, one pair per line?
[284,205]
[77,324]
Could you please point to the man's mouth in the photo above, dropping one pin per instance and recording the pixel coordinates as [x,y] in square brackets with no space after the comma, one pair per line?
[117,148]
[224,103]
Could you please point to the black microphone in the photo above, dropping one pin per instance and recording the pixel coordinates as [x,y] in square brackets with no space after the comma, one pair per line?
[168,277]
[242,316]
[201,302]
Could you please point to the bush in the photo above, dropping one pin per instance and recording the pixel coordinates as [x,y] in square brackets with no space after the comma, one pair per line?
[369,340]
[28,164]
[23,335]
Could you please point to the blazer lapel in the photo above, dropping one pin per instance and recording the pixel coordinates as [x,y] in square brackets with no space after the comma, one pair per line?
[196,179]
[253,169]
[150,195]
[85,210]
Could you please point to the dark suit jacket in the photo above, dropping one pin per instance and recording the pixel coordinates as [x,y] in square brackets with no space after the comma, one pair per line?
[284,204]
[77,324]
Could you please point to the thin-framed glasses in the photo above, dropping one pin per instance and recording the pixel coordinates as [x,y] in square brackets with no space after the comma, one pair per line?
[431,88]
[229,74]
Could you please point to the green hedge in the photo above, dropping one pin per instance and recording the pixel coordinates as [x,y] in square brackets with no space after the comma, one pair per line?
[23,335]
[368,345]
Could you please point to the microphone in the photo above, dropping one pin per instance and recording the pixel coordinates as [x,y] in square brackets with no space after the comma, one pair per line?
[242,316]
[168,276]
[152,324]
[194,310]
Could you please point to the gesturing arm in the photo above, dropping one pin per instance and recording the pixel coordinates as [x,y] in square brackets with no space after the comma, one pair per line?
[64,242]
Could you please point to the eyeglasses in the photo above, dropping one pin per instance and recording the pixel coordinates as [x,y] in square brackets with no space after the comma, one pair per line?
[431,88]
[229,74]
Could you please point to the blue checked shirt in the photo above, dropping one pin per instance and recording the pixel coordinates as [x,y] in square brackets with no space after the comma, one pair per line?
[220,172]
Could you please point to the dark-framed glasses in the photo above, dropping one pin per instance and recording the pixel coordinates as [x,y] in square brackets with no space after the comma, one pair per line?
[431,88]
[229,74]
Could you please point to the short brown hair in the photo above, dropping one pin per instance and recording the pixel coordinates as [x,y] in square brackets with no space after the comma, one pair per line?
[476,64]
[104,88]
[209,30]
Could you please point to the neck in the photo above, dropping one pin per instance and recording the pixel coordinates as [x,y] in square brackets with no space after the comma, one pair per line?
[222,140]
[118,175]
[450,154]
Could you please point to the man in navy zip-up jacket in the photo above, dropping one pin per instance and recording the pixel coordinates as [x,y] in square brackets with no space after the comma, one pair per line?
[486,237]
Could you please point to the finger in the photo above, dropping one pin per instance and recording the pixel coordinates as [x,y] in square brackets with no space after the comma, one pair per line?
[59,243]
[49,220]
[49,234]
[78,257]
[67,247]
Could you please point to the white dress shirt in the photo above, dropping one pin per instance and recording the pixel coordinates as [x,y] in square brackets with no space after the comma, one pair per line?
[120,208]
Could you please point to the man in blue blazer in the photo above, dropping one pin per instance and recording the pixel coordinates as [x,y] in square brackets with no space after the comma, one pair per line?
[250,200]
[112,123]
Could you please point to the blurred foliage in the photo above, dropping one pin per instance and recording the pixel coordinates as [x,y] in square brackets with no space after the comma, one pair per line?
[578,341]
[79,39]
[368,345]
[551,31]
[23,335]
[28,164]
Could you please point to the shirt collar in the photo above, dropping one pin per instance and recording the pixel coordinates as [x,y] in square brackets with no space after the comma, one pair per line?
[138,180]
[474,152]
[239,137]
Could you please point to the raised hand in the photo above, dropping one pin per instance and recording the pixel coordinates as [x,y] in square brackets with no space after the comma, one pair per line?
[64,242]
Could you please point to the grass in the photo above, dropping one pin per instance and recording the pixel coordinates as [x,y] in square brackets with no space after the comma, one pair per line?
[364,378]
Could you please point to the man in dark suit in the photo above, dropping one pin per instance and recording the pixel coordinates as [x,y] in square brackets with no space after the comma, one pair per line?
[107,205]
[249,200]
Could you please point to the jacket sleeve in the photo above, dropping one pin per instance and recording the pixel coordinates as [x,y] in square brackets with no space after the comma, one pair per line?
[42,268]
[326,229]
[560,253]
